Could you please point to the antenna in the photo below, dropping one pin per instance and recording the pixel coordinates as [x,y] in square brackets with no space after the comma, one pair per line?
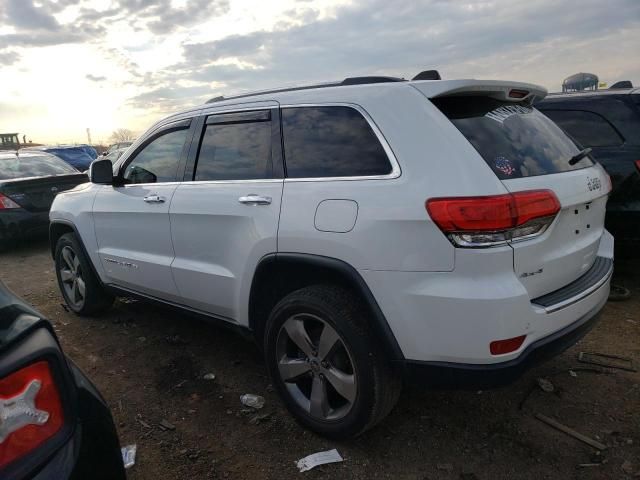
[89,136]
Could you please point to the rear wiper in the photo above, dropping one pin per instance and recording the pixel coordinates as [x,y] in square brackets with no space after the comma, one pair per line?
[579,156]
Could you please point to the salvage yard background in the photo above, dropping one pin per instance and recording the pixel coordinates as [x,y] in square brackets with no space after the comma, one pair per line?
[149,363]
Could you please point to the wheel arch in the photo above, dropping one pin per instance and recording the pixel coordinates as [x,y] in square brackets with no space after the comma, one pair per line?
[57,228]
[279,274]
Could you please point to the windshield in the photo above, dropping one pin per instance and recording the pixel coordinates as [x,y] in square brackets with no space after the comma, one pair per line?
[33,166]
[515,139]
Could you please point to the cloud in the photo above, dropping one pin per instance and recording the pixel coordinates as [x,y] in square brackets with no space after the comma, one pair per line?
[8,57]
[23,14]
[400,38]
[95,78]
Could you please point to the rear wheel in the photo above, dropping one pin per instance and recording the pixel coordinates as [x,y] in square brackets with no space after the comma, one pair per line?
[79,286]
[325,364]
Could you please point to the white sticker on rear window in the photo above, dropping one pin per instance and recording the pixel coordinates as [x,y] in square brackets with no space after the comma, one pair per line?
[500,114]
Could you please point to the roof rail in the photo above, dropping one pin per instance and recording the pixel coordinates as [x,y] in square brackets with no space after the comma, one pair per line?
[367,80]
[345,82]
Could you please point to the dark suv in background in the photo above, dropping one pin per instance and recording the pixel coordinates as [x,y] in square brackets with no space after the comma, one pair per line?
[607,121]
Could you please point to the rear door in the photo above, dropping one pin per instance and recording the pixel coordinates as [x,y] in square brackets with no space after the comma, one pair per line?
[224,217]
[132,220]
[527,151]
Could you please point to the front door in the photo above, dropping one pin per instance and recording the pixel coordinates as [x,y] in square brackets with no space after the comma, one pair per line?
[224,217]
[132,219]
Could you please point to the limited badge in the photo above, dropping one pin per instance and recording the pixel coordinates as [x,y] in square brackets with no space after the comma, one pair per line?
[504,165]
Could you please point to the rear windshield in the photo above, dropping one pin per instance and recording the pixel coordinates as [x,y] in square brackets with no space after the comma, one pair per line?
[33,166]
[515,139]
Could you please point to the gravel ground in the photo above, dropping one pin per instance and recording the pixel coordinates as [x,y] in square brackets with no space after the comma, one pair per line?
[149,363]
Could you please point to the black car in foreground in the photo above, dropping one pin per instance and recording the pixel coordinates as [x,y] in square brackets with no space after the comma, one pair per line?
[29,181]
[54,424]
[608,122]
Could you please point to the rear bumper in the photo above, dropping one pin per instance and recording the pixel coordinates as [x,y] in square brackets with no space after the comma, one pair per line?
[457,375]
[451,318]
[19,223]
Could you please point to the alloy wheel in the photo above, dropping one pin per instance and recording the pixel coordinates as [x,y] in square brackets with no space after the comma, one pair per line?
[316,367]
[71,277]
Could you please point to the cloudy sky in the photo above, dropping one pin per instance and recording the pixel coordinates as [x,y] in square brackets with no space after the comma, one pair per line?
[106,64]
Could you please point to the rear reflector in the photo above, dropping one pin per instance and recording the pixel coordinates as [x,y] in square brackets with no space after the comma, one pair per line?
[494,219]
[30,411]
[7,203]
[500,347]
[638,165]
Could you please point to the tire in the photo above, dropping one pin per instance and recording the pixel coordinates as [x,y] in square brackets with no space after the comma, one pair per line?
[355,379]
[73,270]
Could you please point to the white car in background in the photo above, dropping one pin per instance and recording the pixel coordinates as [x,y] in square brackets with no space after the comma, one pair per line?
[359,231]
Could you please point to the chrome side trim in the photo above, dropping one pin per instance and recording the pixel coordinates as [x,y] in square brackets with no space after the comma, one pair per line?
[576,298]
[395,166]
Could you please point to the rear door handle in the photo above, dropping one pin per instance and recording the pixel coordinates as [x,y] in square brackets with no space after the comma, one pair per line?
[154,199]
[253,199]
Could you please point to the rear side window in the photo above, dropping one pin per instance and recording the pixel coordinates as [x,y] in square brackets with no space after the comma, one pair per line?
[235,147]
[33,166]
[331,142]
[515,139]
[588,128]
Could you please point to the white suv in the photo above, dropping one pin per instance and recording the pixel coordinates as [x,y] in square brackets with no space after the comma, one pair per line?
[359,231]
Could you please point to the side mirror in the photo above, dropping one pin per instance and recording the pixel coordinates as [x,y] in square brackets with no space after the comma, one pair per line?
[101,171]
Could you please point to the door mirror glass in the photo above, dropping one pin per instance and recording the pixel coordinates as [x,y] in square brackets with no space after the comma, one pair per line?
[101,171]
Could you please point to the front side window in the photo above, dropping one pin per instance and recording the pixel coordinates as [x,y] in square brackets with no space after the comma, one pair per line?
[588,128]
[332,141]
[238,150]
[157,161]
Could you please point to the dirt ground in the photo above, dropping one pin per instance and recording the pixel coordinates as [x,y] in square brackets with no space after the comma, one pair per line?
[149,363]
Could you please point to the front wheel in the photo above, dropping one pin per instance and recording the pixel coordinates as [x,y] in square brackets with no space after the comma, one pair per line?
[79,286]
[326,365]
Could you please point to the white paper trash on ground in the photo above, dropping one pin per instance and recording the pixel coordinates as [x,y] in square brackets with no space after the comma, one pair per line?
[129,455]
[320,458]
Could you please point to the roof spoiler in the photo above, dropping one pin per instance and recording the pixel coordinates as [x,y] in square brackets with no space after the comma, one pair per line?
[498,89]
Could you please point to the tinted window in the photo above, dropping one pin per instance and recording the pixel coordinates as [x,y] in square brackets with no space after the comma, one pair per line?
[514,139]
[235,151]
[331,142]
[588,128]
[33,166]
[158,161]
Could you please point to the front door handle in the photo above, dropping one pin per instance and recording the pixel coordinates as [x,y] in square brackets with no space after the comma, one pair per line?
[253,199]
[154,199]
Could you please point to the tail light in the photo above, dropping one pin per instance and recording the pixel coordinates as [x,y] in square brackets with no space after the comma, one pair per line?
[6,203]
[638,165]
[494,220]
[31,411]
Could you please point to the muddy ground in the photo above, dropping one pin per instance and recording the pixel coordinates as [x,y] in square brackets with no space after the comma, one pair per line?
[149,363]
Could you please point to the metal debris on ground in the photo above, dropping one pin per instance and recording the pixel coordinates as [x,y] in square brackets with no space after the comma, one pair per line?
[251,400]
[166,425]
[259,418]
[546,385]
[209,376]
[573,374]
[569,431]
[320,458]
[129,455]
[607,360]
